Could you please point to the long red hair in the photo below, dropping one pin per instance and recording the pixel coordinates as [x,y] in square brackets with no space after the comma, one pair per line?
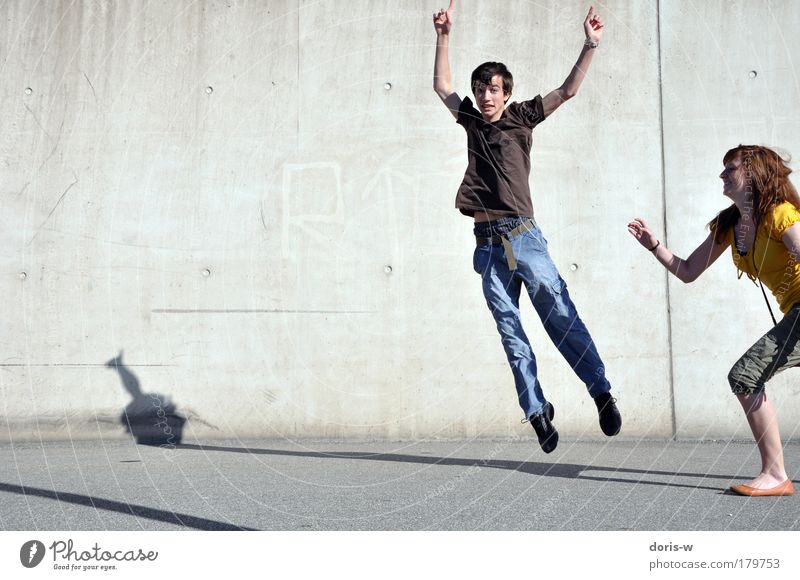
[767,176]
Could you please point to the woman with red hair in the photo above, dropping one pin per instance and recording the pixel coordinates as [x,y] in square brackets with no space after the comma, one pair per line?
[762,227]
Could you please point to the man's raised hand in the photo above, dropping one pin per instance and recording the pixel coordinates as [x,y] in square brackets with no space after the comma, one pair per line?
[443,20]
[593,25]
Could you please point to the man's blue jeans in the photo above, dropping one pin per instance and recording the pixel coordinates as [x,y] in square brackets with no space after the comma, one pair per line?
[538,274]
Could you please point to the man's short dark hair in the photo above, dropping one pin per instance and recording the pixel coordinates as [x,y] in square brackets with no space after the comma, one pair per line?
[485,72]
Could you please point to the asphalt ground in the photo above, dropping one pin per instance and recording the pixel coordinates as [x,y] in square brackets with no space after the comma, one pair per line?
[508,484]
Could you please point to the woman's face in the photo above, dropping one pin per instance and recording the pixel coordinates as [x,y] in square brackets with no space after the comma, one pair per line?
[734,178]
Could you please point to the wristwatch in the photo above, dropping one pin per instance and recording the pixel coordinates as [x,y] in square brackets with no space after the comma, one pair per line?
[591,43]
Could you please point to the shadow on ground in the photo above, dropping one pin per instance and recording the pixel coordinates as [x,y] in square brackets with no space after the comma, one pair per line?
[563,470]
[150,417]
[127,508]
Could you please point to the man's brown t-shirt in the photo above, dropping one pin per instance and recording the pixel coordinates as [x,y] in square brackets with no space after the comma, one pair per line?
[499,166]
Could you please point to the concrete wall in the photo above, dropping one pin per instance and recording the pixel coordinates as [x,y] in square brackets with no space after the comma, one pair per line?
[728,78]
[253,203]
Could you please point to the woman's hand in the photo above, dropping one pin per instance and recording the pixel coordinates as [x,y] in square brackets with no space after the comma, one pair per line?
[639,230]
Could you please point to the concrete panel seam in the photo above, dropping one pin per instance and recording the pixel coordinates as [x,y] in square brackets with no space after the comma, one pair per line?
[664,220]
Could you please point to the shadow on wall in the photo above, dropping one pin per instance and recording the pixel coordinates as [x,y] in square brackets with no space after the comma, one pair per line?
[151,418]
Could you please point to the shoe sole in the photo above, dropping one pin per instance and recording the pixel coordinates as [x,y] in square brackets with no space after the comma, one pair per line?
[613,433]
[783,489]
[552,440]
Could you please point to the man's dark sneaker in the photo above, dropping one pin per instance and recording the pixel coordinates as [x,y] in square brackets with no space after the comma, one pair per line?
[547,434]
[610,419]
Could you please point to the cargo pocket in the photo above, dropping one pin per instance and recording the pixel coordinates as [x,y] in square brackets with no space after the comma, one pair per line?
[561,300]
[558,285]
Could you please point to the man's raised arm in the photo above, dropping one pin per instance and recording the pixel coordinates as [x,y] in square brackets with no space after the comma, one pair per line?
[593,27]
[442,80]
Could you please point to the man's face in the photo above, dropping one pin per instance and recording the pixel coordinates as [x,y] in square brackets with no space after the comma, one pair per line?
[491,98]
